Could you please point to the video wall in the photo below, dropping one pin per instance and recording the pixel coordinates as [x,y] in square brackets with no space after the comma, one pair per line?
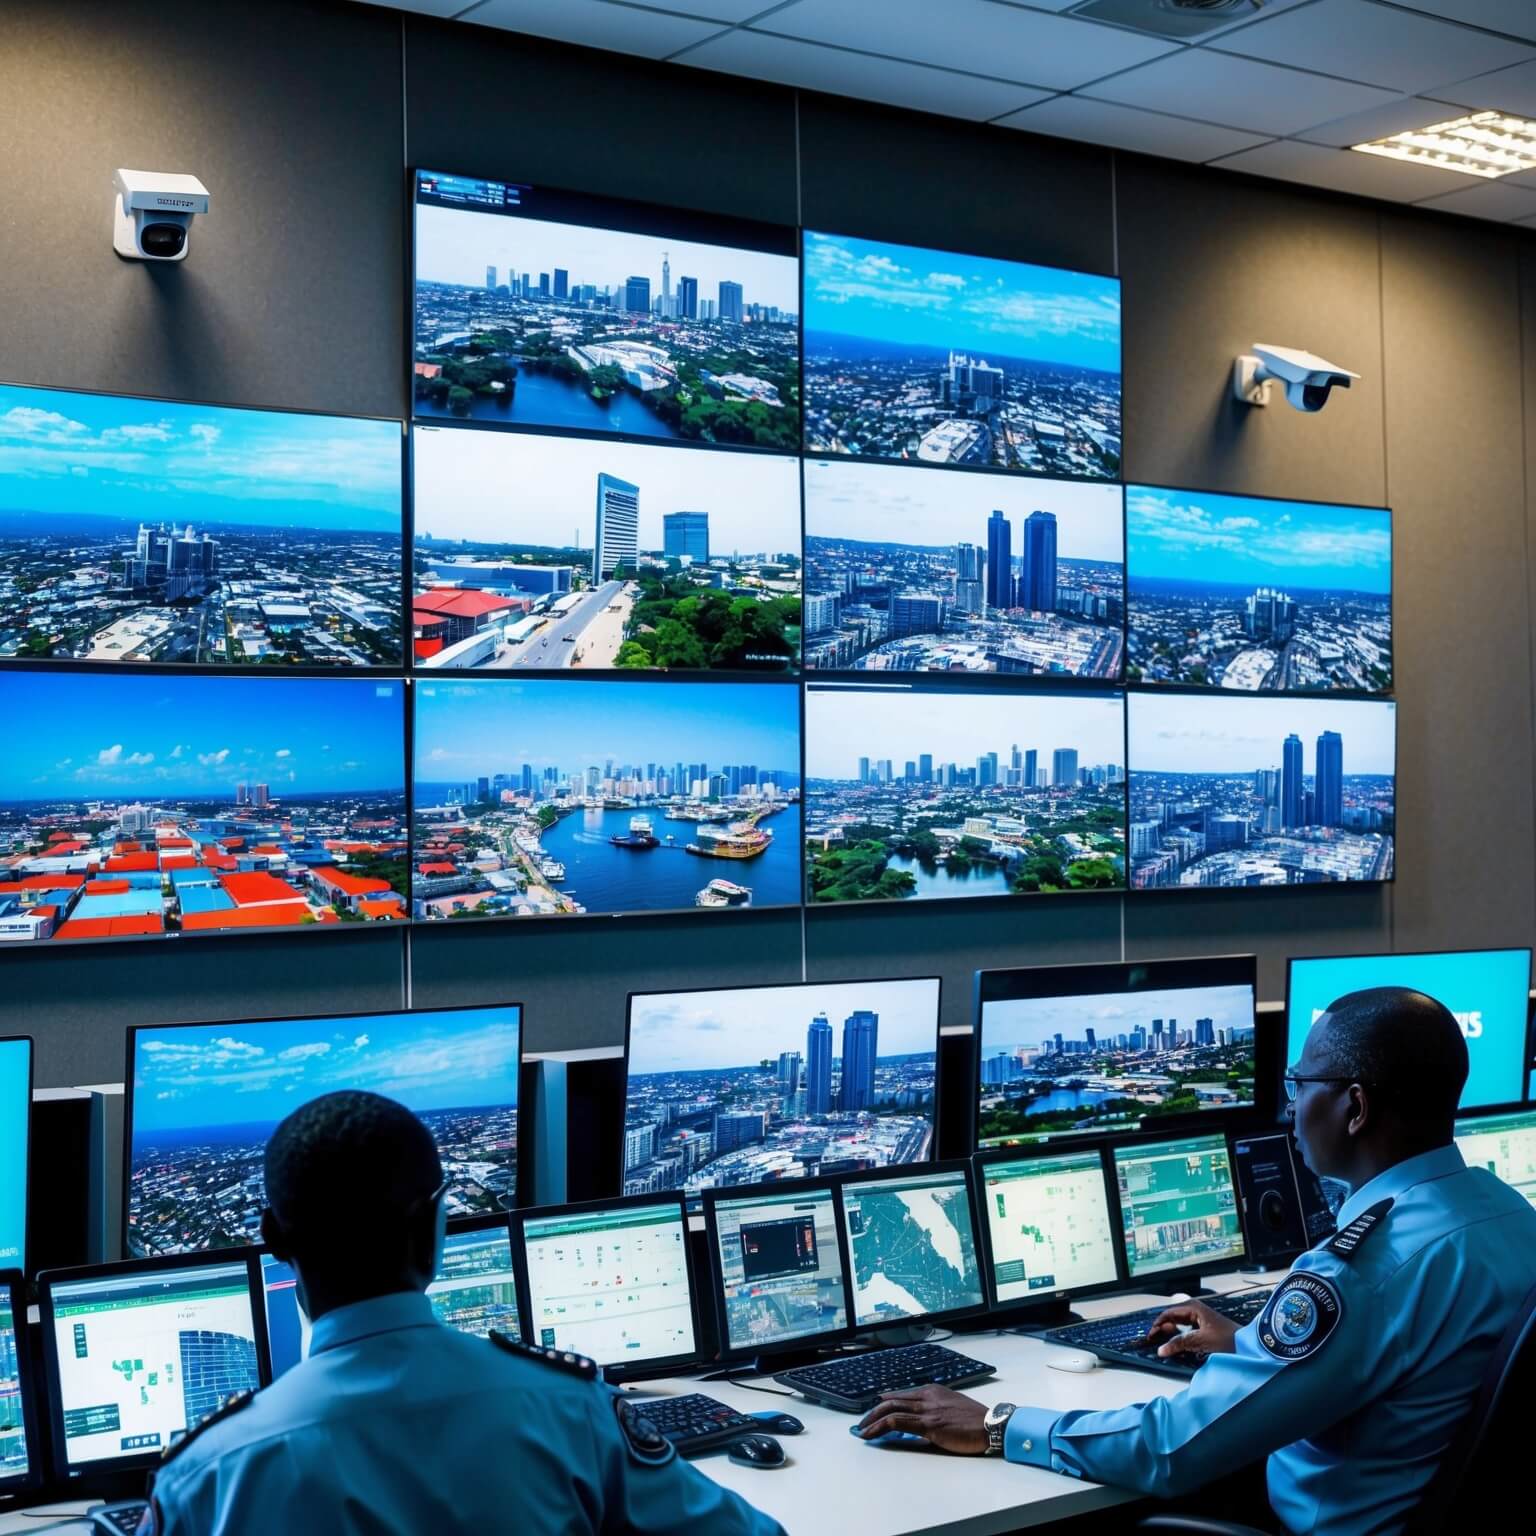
[722,565]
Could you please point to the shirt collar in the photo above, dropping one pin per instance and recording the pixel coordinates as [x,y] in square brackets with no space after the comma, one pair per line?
[1393,1181]
[382,1314]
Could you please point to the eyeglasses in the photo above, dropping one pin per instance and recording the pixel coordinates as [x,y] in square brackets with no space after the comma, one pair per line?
[1293,1084]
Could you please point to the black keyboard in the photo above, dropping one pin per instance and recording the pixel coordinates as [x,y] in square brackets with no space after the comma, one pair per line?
[1123,1340]
[695,1423]
[855,1383]
[121,1519]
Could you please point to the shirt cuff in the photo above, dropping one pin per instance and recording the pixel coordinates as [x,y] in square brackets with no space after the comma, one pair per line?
[1027,1437]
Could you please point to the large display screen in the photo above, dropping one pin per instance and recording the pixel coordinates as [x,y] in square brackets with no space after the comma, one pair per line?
[951,359]
[1231,791]
[559,796]
[538,553]
[205,1098]
[751,1084]
[1487,989]
[914,570]
[1178,1207]
[542,308]
[934,793]
[133,803]
[1048,1225]
[1258,596]
[151,531]
[15,1123]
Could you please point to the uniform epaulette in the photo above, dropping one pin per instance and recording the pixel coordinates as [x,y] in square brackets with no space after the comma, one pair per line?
[1347,1240]
[231,1405]
[561,1359]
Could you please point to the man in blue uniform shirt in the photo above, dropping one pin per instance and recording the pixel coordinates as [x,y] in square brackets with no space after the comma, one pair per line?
[1367,1357]
[396,1425]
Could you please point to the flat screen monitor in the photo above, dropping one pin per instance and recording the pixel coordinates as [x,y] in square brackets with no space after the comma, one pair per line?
[912,1250]
[565,796]
[139,530]
[611,1281]
[15,1137]
[1487,989]
[204,1098]
[1232,791]
[1505,1145]
[138,1354]
[1049,1229]
[974,573]
[20,1467]
[153,804]
[542,308]
[1178,1205]
[921,793]
[536,553]
[1285,1206]
[1255,595]
[778,1267]
[1067,1049]
[747,1085]
[958,359]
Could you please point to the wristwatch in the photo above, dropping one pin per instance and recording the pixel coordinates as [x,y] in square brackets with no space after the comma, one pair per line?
[995,1423]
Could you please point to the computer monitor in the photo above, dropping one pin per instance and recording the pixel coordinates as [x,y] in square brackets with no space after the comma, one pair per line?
[140,1353]
[1503,1144]
[1068,1049]
[1178,1206]
[777,1264]
[20,1451]
[1285,1207]
[612,1281]
[204,1098]
[912,1249]
[748,1085]
[1050,1234]
[1487,989]
[15,1138]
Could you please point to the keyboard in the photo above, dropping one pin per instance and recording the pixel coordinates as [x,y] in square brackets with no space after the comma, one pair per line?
[695,1423]
[121,1519]
[855,1383]
[1122,1340]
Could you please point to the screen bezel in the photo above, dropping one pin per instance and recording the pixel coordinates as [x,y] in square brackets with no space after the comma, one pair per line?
[14,1488]
[20,1266]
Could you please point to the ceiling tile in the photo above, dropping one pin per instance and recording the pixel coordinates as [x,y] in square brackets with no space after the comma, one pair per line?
[1490,200]
[444,8]
[1237,93]
[1516,17]
[855,74]
[1504,90]
[1375,44]
[1341,171]
[1396,117]
[1053,52]
[1149,133]
[597,24]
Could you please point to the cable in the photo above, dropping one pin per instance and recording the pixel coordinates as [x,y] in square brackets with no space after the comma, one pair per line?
[746,1386]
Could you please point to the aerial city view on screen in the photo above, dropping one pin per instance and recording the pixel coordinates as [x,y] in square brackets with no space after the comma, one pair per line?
[142,530]
[525,319]
[134,804]
[916,570]
[1230,791]
[911,1247]
[950,359]
[538,553]
[927,793]
[564,796]
[1258,596]
[755,1084]
[1054,1064]
[206,1098]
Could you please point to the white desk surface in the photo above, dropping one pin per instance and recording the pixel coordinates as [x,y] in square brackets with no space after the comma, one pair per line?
[830,1478]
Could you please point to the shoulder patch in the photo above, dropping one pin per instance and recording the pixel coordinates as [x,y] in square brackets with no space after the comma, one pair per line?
[561,1359]
[1298,1319]
[1345,1241]
[644,1442]
[231,1405]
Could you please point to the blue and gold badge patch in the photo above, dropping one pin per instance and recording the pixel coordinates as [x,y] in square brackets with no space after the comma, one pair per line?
[1300,1316]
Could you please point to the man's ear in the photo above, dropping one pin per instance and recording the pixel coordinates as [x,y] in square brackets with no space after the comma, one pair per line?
[1360,1106]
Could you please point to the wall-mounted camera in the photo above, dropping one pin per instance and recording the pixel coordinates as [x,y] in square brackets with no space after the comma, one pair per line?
[1307,379]
[152,217]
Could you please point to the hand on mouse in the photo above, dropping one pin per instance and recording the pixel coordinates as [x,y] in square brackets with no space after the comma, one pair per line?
[1210,1333]
[947,1419]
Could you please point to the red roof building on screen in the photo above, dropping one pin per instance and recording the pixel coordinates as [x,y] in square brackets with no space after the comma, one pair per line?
[254,889]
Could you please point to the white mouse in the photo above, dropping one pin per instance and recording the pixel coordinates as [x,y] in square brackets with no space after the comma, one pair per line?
[1059,1360]
[1178,1296]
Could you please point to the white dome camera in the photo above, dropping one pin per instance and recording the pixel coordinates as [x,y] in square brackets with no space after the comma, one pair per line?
[152,217]
[1307,379]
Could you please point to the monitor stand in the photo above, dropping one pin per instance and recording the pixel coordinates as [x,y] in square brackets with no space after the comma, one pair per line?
[1036,1319]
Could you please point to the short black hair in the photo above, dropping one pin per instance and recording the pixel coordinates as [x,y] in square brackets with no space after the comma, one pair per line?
[1405,1045]
[347,1168]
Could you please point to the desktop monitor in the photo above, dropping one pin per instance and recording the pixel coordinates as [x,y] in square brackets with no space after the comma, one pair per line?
[20,1452]
[140,1353]
[1178,1206]
[15,1136]
[1285,1206]
[1504,1144]
[1487,989]
[912,1250]
[611,1281]
[1048,1225]
[778,1269]
[1082,1048]
[747,1085]
[204,1098]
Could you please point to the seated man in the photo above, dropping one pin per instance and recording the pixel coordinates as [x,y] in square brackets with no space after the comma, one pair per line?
[396,1425]
[1369,1354]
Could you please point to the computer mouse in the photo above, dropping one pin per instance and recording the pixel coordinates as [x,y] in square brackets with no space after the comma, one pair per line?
[1059,1360]
[776,1423]
[756,1451]
[1177,1297]
[891,1437]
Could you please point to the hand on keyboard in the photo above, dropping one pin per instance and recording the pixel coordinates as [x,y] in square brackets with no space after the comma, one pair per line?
[1206,1332]
[949,1420]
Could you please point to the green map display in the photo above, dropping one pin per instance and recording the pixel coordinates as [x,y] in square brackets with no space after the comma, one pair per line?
[912,1248]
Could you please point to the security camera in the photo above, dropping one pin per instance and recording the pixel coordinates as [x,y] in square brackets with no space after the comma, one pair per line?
[153,214]
[1308,380]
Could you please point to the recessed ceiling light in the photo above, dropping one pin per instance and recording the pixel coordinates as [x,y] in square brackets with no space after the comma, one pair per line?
[1488,144]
